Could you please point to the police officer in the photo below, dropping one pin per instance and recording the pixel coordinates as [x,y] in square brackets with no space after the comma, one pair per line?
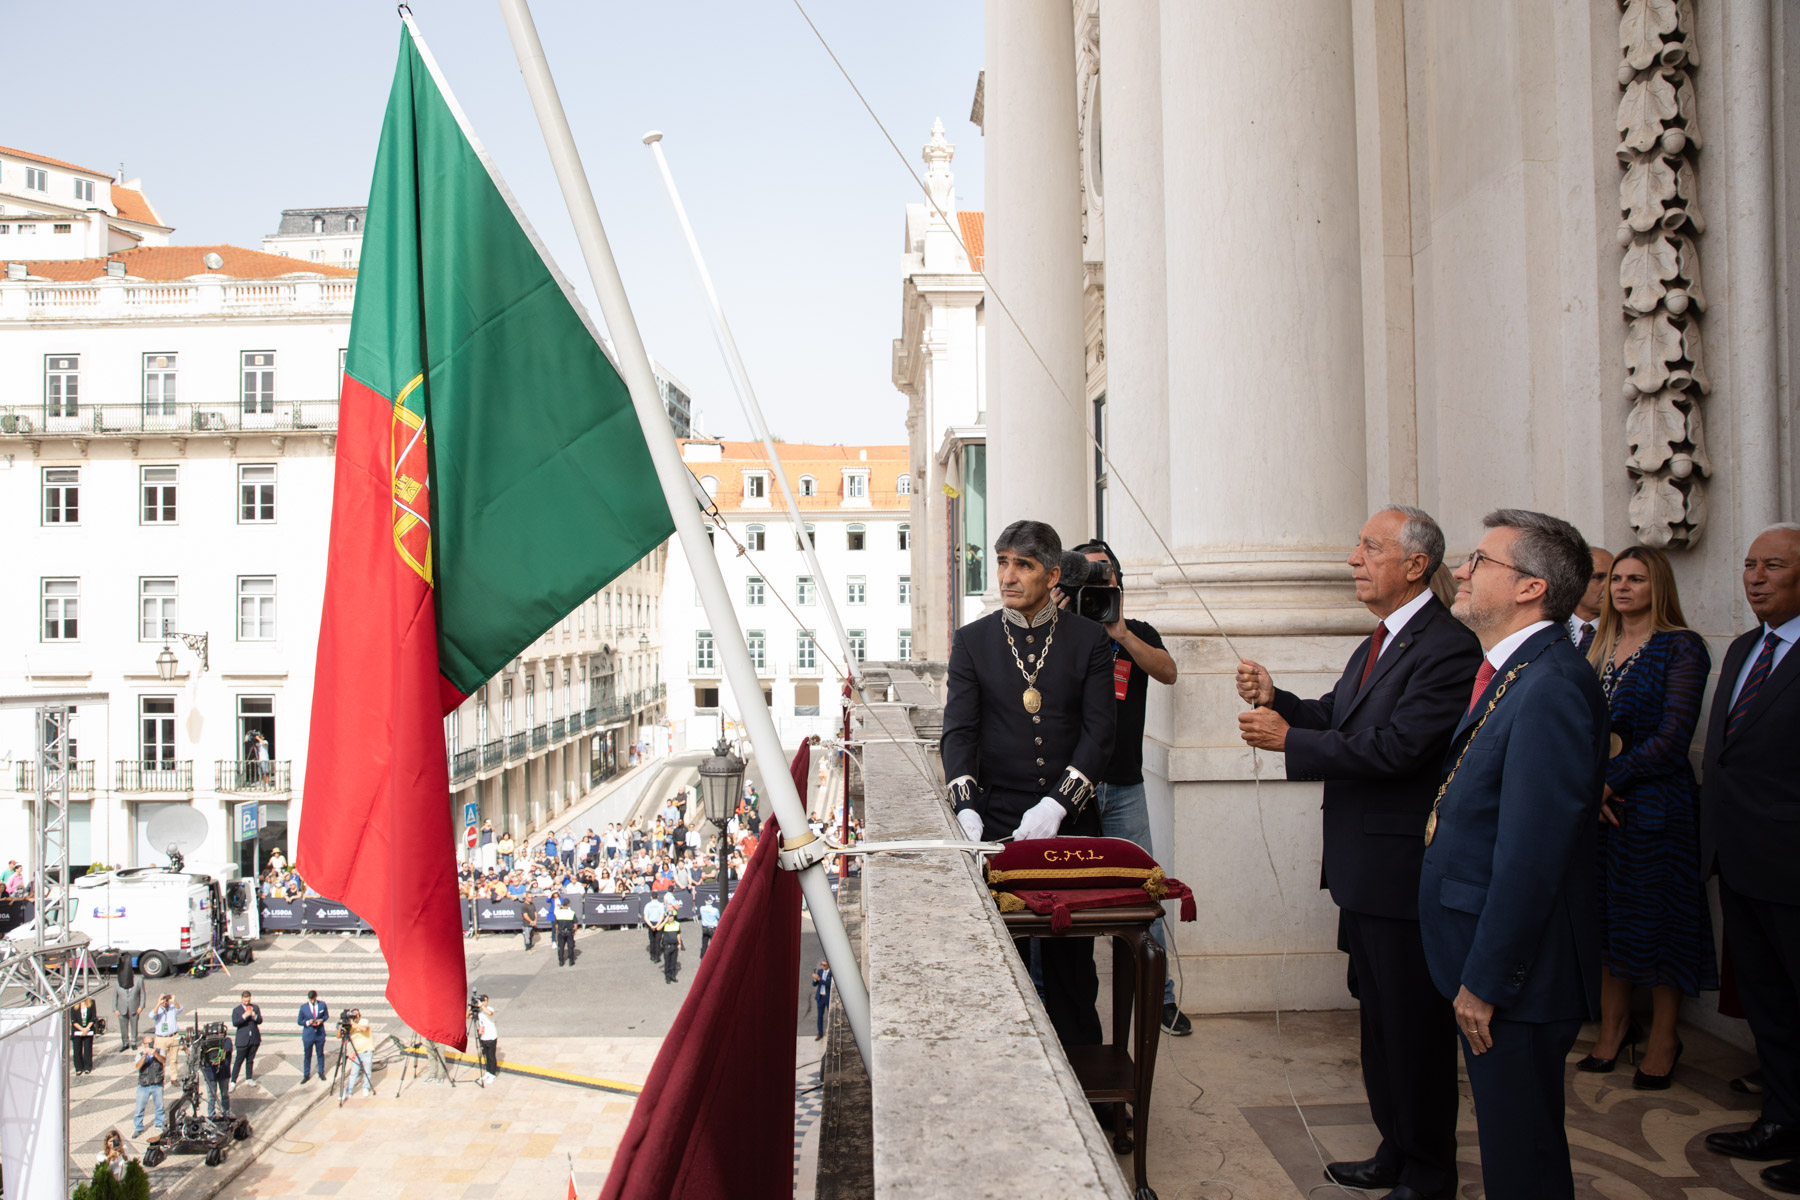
[1028,728]
[709,923]
[565,931]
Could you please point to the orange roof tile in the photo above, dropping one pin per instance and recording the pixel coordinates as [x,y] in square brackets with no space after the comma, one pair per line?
[974,225]
[134,206]
[55,162]
[178,262]
[824,463]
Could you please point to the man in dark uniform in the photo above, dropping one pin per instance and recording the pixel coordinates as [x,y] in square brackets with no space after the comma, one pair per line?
[1028,727]
[564,927]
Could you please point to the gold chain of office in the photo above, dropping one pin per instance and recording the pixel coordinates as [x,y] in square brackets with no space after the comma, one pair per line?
[1033,700]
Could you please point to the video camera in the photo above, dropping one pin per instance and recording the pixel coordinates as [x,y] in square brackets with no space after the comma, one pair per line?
[1091,588]
[346,1020]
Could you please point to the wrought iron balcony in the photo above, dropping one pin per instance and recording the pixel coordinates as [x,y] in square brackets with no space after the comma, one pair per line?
[158,419]
[493,754]
[540,736]
[559,729]
[462,764]
[515,747]
[81,776]
[153,775]
[592,717]
[251,775]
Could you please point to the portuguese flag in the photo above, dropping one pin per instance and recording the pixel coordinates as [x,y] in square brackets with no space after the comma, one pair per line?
[491,476]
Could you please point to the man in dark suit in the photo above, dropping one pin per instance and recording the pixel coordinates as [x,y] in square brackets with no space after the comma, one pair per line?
[1750,834]
[1378,741]
[313,1015]
[247,1019]
[1028,728]
[1506,892]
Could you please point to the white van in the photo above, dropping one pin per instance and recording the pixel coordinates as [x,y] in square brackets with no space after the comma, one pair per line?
[162,919]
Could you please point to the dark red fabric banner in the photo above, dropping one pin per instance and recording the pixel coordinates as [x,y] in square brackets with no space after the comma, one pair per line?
[716,1117]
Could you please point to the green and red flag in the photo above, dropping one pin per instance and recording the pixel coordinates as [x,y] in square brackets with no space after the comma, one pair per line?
[491,476]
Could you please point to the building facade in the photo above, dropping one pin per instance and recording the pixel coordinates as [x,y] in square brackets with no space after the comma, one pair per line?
[51,209]
[168,425]
[940,366]
[856,504]
[1385,251]
[320,235]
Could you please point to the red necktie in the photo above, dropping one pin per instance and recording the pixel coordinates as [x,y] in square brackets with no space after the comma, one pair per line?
[1482,678]
[1376,640]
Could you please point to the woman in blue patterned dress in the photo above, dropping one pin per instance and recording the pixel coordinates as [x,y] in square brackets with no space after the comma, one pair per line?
[1655,927]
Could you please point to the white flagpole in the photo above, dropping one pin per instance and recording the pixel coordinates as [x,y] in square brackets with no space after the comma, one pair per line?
[634,365]
[740,381]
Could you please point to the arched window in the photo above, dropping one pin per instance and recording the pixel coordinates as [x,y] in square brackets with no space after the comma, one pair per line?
[904,485]
[856,537]
[905,536]
[754,537]
[809,486]
[351,223]
[318,224]
[811,537]
[711,484]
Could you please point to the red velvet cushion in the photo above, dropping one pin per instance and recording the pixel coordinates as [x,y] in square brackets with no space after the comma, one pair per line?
[1057,874]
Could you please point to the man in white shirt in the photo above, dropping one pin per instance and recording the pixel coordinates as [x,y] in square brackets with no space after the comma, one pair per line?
[1584,622]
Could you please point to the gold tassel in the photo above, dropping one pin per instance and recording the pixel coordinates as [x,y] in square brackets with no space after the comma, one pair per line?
[1154,885]
[1006,902]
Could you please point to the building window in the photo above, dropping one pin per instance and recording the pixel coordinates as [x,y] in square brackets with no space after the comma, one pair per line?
[506,707]
[62,228]
[906,589]
[755,641]
[859,645]
[62,602]
[256,608]
[159,385]
[905,641]
[159,485]
[753,592]
[258,368]
[703,650]
[857,590]
[812,539]
[710,485]
[803,590]
[37,180]
[256,493]
[27,228]
[349,255]
[318,224]
[856,486]
[530,701]
[316,255]
[62,495]
[753,537]
[1100,474]
[855,537]
[352,224]
[706,698]
[806,652]
[806,699]
[903,485]
[156,608]
[62,385]
[974,519]
[156,718]
[84,190]
[756,485]
[809,486]
[904,536]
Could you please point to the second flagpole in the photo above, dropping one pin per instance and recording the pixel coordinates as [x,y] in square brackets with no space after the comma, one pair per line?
[673,475]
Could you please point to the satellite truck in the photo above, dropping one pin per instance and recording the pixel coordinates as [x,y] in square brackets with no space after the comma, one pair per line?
[163,919]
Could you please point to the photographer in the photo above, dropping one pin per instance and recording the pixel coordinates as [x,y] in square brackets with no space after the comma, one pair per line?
[313,1015]
[1138,657]
[150,1066]
[165,1020]
[247,1019]
[487,1032]
[360,1052]
[1028,727]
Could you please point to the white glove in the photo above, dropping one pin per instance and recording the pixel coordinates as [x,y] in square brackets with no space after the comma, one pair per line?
[970,820]
[1041,821]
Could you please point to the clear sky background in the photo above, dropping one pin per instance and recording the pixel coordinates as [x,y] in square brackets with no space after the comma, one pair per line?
[231,112]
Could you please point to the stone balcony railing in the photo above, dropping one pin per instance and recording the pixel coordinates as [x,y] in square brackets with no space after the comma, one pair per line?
[973,1095]
[113,299]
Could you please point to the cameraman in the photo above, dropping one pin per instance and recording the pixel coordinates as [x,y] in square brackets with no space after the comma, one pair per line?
[354,1029]
[487,1032]
[1138,657]
[215,1068]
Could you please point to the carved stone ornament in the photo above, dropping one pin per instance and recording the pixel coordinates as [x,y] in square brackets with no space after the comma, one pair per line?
[1659,227]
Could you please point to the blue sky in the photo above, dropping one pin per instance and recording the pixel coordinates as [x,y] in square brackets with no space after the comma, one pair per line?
[232,112]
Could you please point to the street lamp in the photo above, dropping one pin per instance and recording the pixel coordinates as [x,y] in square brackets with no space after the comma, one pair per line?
[721,783]
[643,641]
[166,661]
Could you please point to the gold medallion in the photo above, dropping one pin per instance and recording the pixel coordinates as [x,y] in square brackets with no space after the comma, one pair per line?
[1430,828]
[1617,745]
[1033,701]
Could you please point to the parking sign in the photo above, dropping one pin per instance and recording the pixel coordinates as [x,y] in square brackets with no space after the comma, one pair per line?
[247,819]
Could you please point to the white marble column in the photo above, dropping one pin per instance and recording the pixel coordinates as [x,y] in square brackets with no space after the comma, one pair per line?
[1037,461]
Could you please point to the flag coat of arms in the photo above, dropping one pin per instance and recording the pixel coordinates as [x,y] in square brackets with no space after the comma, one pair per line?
[491,476]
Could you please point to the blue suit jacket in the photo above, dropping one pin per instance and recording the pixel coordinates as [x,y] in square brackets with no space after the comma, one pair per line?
[1506,895]
[307,1032]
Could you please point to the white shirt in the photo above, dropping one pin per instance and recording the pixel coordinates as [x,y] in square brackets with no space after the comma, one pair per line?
[1578,627]
[486,1028]
[1396,620]
[1501,654]
[1788,633]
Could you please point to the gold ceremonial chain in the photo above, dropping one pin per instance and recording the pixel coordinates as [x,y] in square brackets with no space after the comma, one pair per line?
[1033,701]
[1431,821]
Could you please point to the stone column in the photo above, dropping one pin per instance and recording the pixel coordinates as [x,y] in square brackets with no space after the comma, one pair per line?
[1037,463]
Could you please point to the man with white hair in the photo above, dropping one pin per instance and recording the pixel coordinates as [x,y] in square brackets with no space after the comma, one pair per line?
[1750,834]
